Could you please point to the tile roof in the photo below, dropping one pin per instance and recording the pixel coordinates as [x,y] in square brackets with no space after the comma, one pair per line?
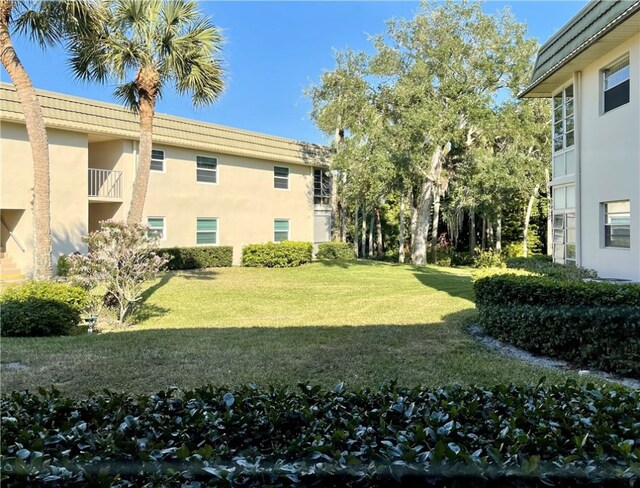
[592,23]
[90,116]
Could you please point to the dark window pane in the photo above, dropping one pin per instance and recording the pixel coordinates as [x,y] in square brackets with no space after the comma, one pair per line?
[206,176]
[281,183]
[616,96]
[206,163]
[157,165]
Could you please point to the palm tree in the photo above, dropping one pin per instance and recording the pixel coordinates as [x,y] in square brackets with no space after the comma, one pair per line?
[144,46]
[45,23]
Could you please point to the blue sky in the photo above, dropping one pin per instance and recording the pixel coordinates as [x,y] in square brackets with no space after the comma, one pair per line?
[274,50]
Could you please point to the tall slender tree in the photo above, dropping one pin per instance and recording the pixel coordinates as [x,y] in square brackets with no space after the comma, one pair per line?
[44,23]
[145,46]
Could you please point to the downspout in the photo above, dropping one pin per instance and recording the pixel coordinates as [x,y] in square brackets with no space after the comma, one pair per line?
[577,114]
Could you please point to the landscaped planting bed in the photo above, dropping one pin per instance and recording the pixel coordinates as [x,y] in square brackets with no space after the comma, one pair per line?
[569,435]
[592,324]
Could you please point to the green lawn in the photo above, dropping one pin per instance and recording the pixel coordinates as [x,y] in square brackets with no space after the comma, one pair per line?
[361,323]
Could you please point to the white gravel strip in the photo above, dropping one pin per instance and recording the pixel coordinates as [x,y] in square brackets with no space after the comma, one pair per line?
[511,351]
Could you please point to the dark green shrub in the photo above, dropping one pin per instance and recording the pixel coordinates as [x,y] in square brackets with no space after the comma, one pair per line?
[461,258]
[284,254]
[62,267]
[198,257]
[592,324]
[41,308]
[545,266]
[507,435]
[336,251]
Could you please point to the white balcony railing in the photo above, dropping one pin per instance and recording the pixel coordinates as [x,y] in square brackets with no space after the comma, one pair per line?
[105,183]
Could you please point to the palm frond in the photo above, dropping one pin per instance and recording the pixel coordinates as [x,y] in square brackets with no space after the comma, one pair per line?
[128,95]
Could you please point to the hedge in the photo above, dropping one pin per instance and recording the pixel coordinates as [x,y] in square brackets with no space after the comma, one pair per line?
[198,257]
[544,265]
[284,254]
[336,251]
[507,435]
[41,308]
[591,324]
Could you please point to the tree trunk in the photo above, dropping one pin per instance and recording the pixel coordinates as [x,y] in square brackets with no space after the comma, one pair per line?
[379,243]
[37,133]
[419,250]
[363,244]
[413,220]
[434,229]
[549,214]
[527,219]
[484,233]
[499,232]
[490,240]
[355,232]
[472,230]
[343,222]
[371,225]
[147,81]
[335,208]
[401,230]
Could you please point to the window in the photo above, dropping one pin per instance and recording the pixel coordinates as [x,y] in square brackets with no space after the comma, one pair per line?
[206,169]
[617,224]
[563,119]
[615,85]
[281,177]
[281,230]
[564,197]
[207,232]
[321,187]
[157,160]
[564,224]
[156,227]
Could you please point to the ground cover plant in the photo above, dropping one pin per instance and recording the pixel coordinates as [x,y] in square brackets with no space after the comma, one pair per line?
[592,324]
[360,322]
[568,435]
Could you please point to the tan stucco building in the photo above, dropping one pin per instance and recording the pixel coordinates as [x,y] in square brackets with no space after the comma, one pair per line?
[209,184]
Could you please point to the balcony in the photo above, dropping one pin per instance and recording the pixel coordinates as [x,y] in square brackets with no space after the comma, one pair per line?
[105,185]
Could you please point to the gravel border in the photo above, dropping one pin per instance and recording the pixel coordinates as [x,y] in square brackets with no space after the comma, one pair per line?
[477,332]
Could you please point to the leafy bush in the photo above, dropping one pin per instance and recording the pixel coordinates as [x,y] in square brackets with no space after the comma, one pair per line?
[544,265]
[565,435]
[122,258]
[41,308]
[487,259]
[62,267]
[336,251]
[512,250]
[591,324]
[461,258]
[198,257]
[480,273]
[284,254]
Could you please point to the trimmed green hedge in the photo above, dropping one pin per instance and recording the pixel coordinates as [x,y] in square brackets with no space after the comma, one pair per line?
[336,250]
[284,254]
[41,308]
[591,324]
[508,435]
[198,257]
[544,265]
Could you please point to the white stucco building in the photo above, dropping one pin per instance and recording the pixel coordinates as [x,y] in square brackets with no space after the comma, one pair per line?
[591,71]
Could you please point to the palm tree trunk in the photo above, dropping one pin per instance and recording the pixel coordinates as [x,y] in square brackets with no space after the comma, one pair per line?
[527,219]
[37,132]
[141,182]
[401,230]
[355,231]
[371,225]
[379,242]
[434,229]
[472,230]
[363,235]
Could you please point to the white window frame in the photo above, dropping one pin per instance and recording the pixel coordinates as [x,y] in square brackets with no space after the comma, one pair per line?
[562,152]
[564,212]
[288,229]
[603,224]
[216,232]
[163,235]
[215,171]
[603,82]
[164,161]
[281,178]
